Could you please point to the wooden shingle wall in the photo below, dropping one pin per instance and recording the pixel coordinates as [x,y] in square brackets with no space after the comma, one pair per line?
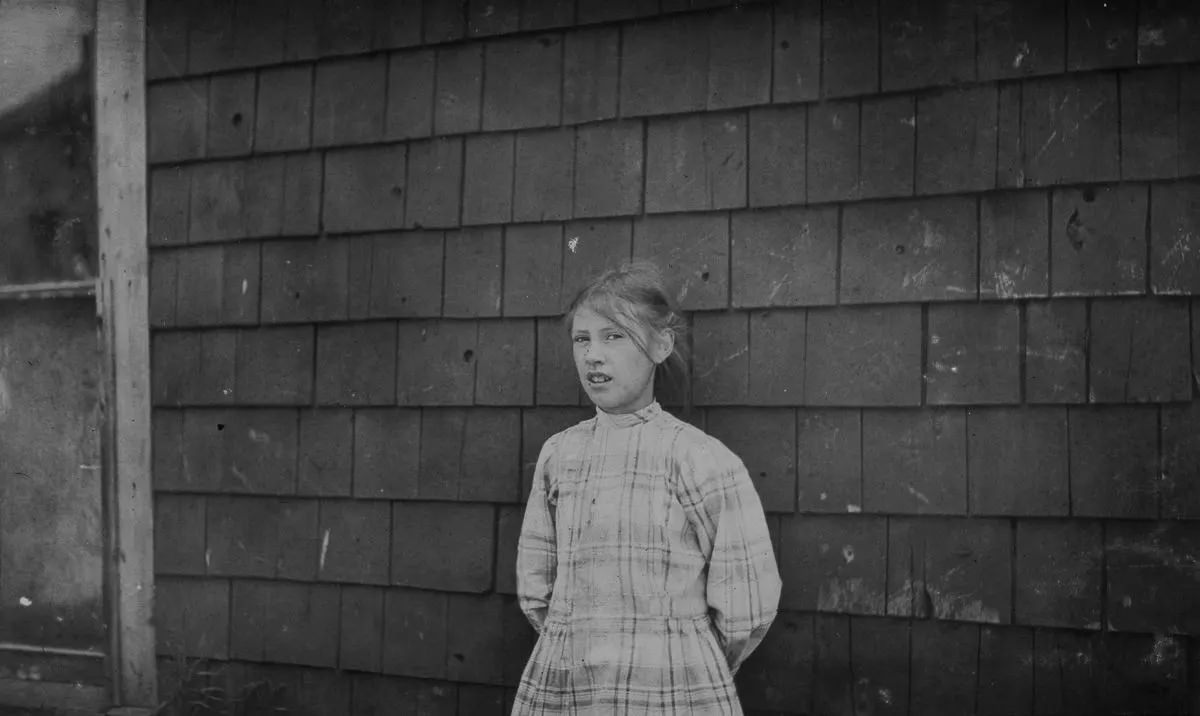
[941,261]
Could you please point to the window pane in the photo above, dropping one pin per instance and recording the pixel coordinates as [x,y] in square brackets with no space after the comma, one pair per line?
[51,525]
[48,215]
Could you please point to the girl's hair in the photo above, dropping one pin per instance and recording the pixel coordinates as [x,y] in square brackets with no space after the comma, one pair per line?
[635,296]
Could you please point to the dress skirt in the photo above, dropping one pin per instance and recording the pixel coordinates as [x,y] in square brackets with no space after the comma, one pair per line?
[619,665]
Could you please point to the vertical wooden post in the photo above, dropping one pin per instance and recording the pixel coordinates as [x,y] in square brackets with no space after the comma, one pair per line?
[120,120]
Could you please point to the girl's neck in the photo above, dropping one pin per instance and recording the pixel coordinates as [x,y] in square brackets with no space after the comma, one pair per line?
[644,414]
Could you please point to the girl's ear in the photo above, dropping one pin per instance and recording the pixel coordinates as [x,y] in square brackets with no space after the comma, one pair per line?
[663,347]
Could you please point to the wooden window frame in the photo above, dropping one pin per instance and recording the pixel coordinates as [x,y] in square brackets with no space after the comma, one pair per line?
[121,292]
[122,298]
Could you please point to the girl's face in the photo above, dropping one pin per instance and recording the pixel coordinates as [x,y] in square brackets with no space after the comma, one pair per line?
[617,375]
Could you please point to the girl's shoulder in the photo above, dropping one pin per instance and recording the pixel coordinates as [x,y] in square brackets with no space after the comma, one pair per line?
[691,445]
[567,436]
[684,444]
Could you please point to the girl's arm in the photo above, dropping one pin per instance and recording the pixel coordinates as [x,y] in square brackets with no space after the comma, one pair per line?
[743,578]
[537,555]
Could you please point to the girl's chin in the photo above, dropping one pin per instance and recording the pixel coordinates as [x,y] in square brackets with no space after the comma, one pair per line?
[604,395]
[611,403]
[603,398]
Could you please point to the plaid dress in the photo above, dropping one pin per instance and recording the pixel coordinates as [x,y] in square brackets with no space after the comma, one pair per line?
[645,565]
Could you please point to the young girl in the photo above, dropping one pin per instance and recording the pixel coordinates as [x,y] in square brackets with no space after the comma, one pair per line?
[644,561]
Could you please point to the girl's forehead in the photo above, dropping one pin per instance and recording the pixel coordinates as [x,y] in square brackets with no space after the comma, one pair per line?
[587,318]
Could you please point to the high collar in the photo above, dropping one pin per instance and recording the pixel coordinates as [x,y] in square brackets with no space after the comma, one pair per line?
[629,420]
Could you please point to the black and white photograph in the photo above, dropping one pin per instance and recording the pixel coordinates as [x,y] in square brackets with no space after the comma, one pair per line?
[600,357]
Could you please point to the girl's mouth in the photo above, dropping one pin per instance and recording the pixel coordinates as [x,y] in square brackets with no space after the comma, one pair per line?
[597,378]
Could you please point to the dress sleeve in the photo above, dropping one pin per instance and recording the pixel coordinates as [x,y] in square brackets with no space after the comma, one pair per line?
[537,555]
[743,582]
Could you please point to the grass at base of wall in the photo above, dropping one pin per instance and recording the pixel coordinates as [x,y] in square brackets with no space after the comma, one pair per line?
[192,687]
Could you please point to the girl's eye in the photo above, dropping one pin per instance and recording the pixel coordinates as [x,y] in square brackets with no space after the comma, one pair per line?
[613,336]
[581,339]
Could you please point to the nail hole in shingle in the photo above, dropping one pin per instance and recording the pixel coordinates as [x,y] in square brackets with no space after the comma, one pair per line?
[704,276]
[1089,195]
[899,248]
[785,44]
[468,355]
[220,426]
[237,119]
